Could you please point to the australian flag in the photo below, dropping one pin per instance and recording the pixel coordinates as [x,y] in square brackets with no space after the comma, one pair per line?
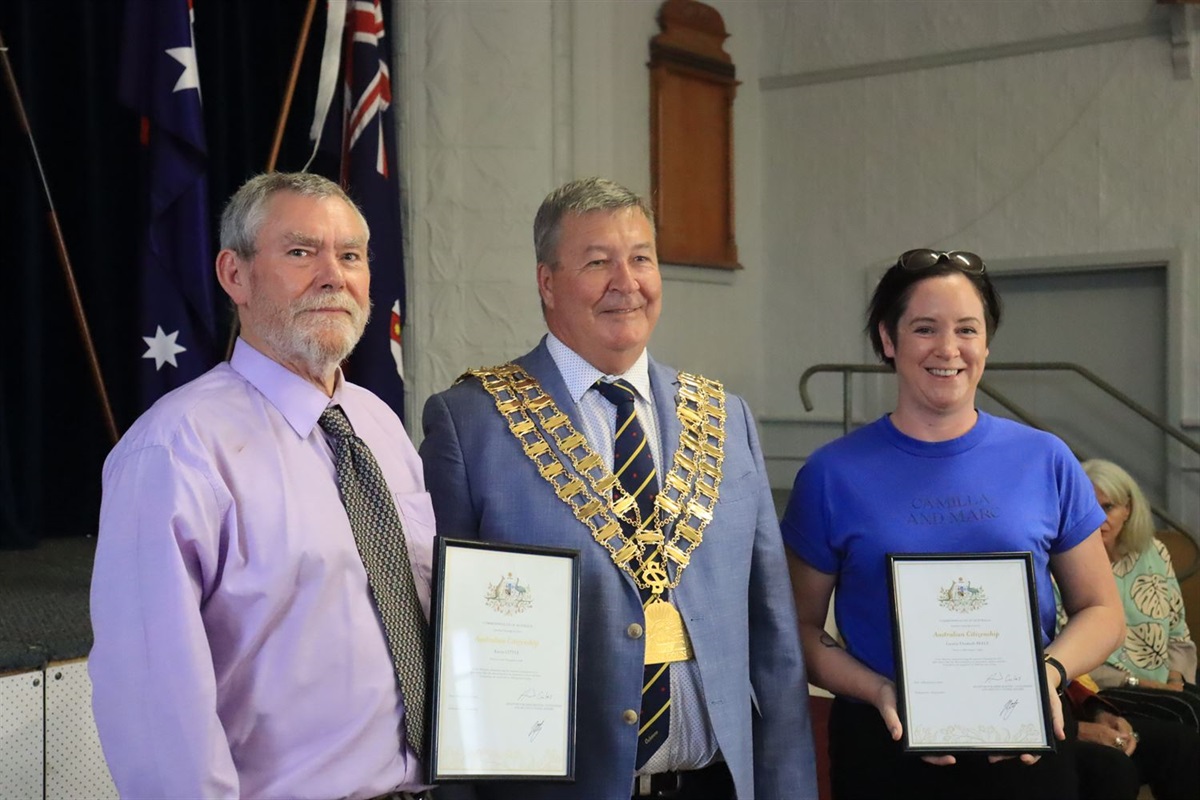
[160,82]
[362,135]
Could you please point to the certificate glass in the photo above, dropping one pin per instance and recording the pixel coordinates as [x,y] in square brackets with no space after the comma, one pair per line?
[505,622]
[968,646]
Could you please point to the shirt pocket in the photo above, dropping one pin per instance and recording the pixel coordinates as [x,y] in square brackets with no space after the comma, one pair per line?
[416,515]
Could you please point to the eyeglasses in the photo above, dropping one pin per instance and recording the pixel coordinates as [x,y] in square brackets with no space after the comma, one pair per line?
[923,259]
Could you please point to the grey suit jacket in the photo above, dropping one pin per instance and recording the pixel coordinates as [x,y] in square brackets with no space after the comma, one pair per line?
[735,596]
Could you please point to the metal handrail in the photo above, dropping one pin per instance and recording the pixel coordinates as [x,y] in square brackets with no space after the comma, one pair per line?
[1048,366]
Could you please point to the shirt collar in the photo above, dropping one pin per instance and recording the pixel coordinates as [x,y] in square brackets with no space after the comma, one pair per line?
[300,403]
[579,375]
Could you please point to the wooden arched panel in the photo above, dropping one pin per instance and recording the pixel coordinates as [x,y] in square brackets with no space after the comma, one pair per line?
[692,86]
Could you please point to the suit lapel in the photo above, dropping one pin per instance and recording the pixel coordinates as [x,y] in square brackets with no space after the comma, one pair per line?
[540,364]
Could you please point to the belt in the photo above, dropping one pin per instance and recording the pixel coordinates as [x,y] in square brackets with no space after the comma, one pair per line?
[708,783]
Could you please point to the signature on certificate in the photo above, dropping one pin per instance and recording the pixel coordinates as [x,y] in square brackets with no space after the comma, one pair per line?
[1002,677]
[1007,711]
[535,694]
[535,730]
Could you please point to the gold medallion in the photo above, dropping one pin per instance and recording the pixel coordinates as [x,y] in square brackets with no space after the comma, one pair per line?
[666,638]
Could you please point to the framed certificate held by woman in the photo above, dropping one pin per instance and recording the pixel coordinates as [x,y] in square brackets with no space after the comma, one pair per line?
[969,674]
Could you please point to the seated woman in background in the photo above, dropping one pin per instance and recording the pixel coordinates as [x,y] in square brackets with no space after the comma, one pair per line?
[937,475]
[1115,756]
[1153,672]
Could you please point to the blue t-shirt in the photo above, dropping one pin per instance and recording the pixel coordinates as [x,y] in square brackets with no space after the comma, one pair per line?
[1001,487]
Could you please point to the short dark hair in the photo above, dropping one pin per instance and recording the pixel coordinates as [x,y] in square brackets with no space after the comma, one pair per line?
[890,300]
[579,197]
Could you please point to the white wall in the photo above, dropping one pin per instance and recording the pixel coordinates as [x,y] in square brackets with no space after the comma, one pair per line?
[506,99]
[1088,149]
[1026,130]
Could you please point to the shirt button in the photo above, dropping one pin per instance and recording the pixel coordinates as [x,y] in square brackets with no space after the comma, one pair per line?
[634,631]
[630,716]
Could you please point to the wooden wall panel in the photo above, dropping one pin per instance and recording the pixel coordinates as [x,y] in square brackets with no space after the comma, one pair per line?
[692,87]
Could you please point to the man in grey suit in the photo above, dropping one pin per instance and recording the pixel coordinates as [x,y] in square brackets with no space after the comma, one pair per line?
[691,682]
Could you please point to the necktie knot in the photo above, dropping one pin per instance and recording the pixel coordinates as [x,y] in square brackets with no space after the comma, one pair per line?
[633,461]
[334,422]
[620,392]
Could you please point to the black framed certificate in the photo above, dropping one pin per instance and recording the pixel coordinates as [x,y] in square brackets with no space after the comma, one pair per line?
[968,647]
[505,641]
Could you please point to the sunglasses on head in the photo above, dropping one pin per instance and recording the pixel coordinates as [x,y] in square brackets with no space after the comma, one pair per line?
[923,259]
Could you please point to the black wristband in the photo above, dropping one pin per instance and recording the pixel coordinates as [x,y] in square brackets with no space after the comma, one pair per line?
[1062,672]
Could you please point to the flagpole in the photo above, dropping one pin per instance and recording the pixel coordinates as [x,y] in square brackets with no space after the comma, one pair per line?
[284,112]
[60,248]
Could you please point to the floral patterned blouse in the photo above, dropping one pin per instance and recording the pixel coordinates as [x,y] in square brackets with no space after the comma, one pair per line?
[1156,636]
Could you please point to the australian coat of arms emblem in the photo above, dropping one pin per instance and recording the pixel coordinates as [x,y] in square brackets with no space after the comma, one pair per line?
[508,595]
[962,597]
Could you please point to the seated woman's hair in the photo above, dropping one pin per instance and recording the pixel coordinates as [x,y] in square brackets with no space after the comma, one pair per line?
[1120,488]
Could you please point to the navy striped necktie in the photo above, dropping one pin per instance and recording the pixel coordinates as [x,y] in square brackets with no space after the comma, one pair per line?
[633,464]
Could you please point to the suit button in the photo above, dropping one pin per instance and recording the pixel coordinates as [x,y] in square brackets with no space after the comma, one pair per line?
[630,716]
[634,631]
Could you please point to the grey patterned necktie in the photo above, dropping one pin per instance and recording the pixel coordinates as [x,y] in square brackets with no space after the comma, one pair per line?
[379,537]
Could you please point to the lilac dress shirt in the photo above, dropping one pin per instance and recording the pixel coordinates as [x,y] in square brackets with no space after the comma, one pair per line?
[237,651]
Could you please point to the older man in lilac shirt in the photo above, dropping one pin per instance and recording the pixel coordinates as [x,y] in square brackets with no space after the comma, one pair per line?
[238,652]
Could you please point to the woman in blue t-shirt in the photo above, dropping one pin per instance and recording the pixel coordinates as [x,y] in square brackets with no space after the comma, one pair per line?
[938,476]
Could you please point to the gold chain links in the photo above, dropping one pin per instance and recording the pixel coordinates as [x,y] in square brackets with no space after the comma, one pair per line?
[688,494]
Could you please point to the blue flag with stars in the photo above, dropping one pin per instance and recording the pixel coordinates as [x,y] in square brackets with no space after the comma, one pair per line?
[159,81]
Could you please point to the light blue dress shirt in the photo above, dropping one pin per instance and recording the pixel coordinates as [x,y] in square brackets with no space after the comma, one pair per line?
[690,742]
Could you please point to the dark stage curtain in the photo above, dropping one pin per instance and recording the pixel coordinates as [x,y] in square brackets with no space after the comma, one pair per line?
[65,53]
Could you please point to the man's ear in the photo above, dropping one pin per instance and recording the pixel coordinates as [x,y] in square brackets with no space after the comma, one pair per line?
[544,282]
[234,276]
[889,347]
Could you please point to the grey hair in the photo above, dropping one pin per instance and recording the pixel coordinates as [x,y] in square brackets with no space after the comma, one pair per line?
[245,212]
[1120,488]
[579,197]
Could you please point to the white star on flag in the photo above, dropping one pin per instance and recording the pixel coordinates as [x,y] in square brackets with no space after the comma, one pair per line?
[190,79]
[162,348]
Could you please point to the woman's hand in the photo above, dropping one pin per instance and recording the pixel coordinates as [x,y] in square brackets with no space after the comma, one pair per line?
[885,702]
[1056,715]
[1056,718]
[1146,683]
[1026,758]
[1110,730]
